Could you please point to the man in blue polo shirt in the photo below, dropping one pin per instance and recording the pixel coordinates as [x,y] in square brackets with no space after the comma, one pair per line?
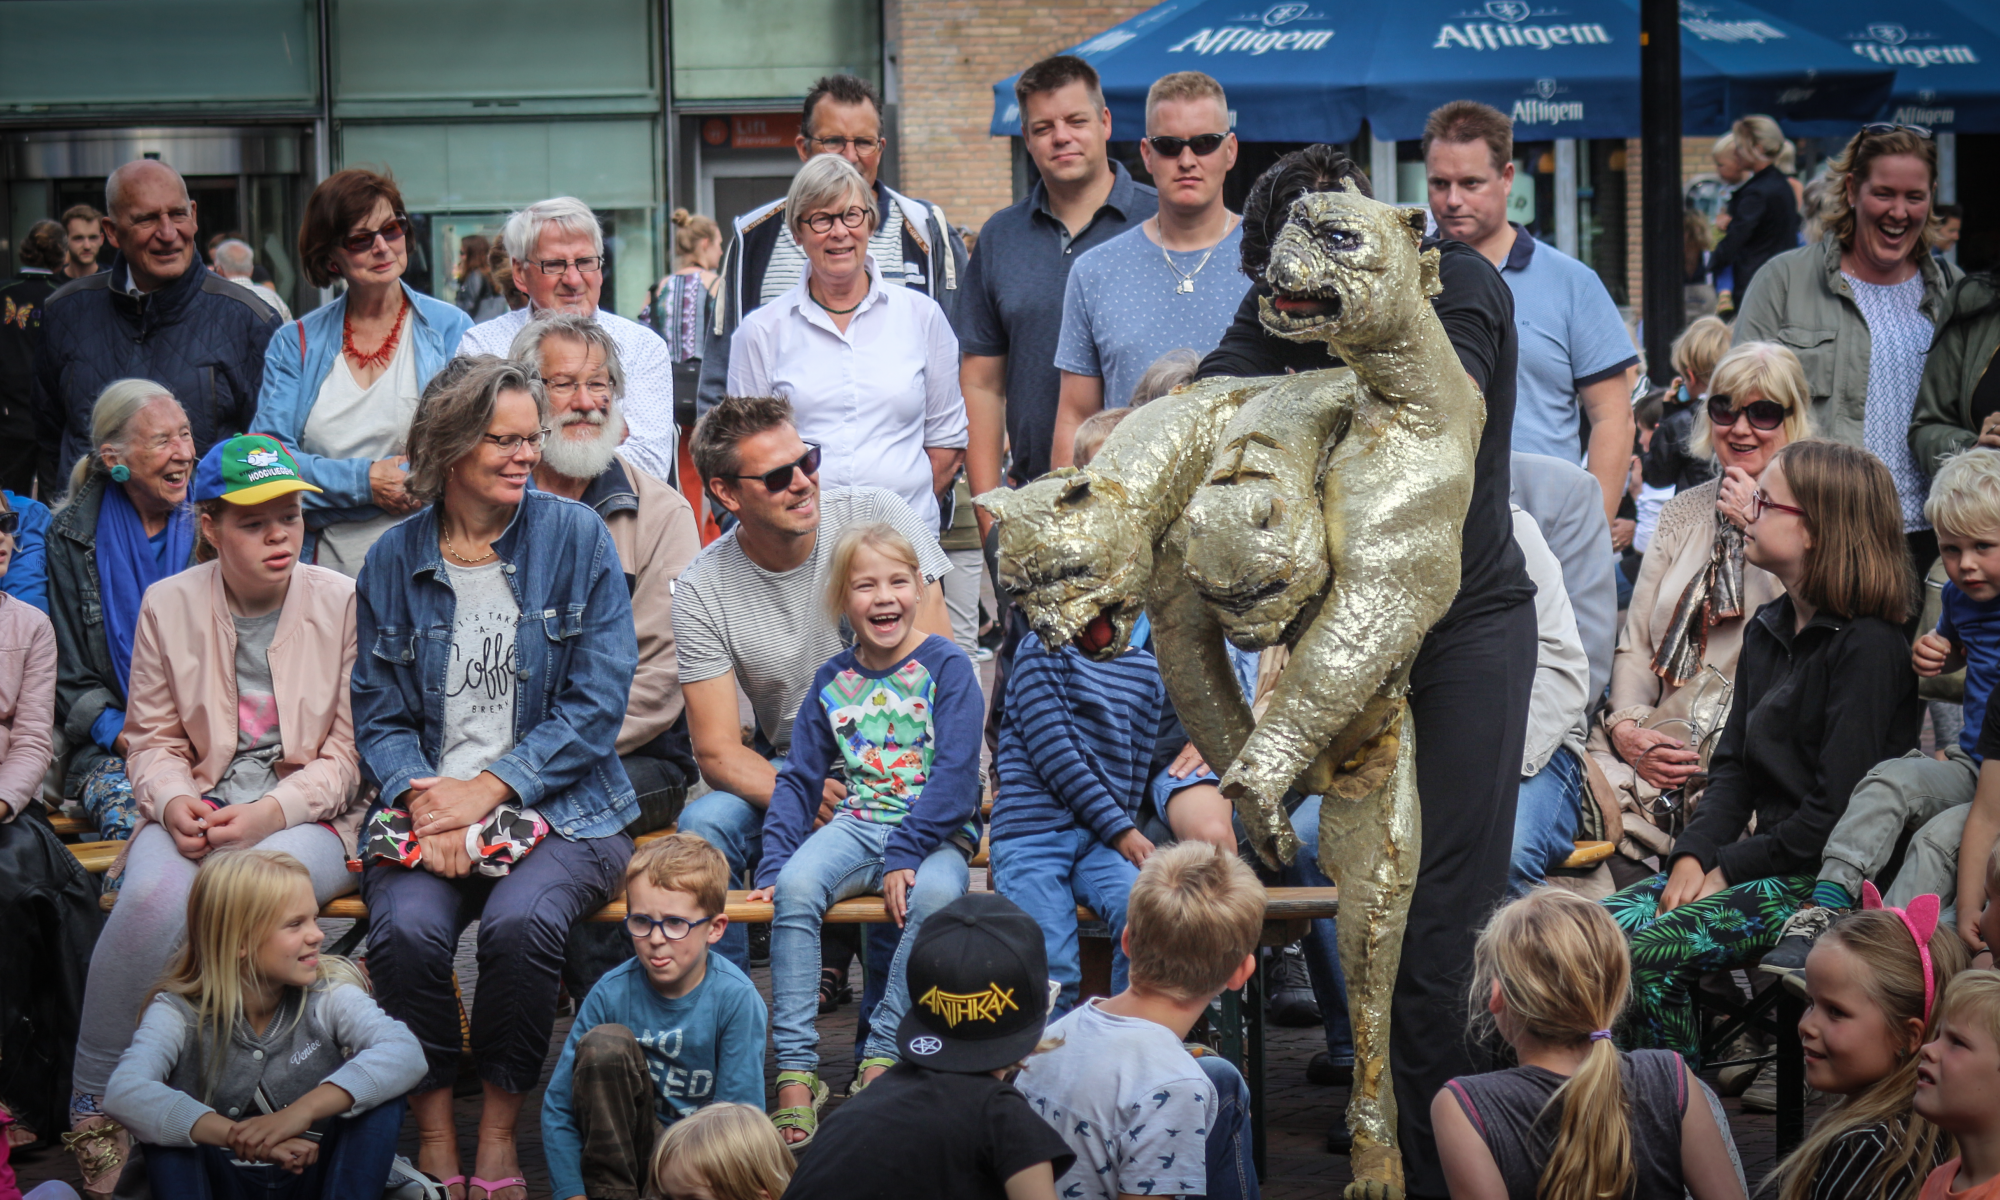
[1011,313]
[1575,353]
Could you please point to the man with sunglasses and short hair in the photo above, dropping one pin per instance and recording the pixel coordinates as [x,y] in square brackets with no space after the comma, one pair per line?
[1170,284]
[557,248]
[156,314]
[750,611]
[913,243]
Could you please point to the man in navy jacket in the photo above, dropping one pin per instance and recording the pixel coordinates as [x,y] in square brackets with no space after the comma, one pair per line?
[157,314]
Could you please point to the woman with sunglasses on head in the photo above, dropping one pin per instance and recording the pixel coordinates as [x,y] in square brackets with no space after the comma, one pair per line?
[871,369]
[1861,306]
[341,382]
[1756,405]
[1824,691]
[497,656]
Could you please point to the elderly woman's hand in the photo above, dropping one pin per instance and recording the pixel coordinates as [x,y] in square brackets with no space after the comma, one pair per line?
[386,477]
[439,805]
[1737,497]
[1660,759]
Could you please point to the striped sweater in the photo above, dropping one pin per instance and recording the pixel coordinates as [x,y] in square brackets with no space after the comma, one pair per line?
[1080,741]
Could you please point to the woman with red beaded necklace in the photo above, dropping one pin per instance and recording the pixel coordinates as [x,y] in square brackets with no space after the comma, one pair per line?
[342,382]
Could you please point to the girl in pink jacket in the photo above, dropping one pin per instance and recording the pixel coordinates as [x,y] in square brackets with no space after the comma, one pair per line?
[240,735]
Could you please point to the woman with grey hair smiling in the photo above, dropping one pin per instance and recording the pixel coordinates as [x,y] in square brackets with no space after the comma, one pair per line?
[497,653]
[871,370]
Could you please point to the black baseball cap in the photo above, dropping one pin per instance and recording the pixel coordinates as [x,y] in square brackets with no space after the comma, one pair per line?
[979,987]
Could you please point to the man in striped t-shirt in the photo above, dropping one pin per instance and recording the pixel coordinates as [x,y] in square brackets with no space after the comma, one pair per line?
[750,611]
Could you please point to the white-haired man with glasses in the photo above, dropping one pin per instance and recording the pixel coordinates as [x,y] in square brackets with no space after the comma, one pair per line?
[915,244]
[557,249]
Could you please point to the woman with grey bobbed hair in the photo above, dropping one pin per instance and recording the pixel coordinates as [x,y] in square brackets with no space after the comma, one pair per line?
[125,526]
[497,656]
[871,370]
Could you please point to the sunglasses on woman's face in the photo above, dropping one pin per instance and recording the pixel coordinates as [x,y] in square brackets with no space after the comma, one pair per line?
[1762,414]
[780,478]
[363,240]
[10,521]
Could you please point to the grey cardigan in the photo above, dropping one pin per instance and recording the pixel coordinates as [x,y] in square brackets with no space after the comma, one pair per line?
[1800,301]
[169,1077]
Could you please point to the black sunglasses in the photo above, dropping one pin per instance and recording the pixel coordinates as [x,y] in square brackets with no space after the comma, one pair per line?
[1762,414]
[364,240]
[10,521]
[641,926]
[1874,127]
[1203,144]
[779,478]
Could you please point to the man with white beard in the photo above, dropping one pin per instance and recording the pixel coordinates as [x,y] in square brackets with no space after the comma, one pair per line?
[651,525]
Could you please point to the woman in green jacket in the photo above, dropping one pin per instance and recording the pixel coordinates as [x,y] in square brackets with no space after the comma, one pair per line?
[1958,403]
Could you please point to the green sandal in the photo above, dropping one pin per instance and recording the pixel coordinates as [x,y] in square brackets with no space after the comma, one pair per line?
[861,1070]
[801,1116]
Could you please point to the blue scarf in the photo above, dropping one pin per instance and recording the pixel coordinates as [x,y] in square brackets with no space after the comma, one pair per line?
[127,566]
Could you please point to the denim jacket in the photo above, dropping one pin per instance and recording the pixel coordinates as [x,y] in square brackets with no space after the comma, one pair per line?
[573,681]
[296,364]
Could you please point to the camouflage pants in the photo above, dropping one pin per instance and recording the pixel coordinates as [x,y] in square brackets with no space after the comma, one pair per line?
[611,1094]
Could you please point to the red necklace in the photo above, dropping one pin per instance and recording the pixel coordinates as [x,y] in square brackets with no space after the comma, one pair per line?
[384,352]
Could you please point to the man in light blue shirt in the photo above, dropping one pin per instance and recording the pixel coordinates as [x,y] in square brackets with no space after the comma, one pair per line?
[1172,283]
[1576,357]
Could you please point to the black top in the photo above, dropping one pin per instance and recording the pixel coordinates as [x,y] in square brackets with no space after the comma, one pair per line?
[915,1132]
[20,327]
[1013,303]
[1763,223]
[1508,1109]
[1986,395]
[1477,311]
[1814,711]
[1844,1172]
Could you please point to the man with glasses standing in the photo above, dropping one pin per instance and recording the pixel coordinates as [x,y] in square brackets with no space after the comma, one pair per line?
[557,248]
[156,314]
[913,243]
[1172,283]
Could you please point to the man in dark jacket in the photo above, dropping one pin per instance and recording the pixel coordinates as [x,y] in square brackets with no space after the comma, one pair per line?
[156,314]
[22,448]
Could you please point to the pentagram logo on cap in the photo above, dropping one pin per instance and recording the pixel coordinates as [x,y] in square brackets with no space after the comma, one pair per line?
[978,984]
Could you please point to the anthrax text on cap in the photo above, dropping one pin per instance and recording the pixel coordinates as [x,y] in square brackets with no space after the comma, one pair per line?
[978,978]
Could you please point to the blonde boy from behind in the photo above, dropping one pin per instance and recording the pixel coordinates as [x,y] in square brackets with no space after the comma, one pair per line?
[1144,1116]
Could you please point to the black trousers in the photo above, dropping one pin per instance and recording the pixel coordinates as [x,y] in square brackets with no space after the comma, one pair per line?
[1469,701]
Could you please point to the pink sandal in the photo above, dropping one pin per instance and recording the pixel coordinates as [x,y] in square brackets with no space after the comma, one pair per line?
[490,1186]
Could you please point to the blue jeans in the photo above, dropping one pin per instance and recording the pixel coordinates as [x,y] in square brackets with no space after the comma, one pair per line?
[1231,1175]
[1322,940]
[734,826]
[842,859]
[353,1161]
[1048,875]
[1545,821]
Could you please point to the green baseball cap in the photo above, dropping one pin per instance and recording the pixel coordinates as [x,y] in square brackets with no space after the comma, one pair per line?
[248,469]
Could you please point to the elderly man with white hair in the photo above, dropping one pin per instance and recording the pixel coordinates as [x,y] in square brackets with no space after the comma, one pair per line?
[557,249]
[235,261]
[651,525]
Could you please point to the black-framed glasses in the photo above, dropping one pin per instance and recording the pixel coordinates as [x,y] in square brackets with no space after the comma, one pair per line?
[363,240]
[1203,144]
[1922,131]
[10,522]
[511,443]
[1762,414]
[1759,502]
[588,264]
[863,147]
[822,222]
[641,926]
[779,478]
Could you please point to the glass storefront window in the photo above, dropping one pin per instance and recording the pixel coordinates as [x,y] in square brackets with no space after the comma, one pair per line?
[725,50]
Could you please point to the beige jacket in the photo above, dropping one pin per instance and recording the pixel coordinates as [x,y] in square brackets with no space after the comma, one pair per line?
[180,715]
[653,528]
[1678,552]
[27,702]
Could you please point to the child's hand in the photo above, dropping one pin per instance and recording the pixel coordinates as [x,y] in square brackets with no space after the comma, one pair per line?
[1968,932]
[831,793]
[257,1137]
[238,826]
[295,1155]
[1134,846]
[896,887]
[1187,762]
[761,895]
[183,821]
[1930,654]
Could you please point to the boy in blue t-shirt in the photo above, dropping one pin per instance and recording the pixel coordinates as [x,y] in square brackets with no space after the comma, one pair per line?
[1918,792]
[668,1031]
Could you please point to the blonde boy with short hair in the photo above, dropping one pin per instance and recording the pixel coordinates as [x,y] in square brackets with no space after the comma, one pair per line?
[1958,1087]
[1144,1116]
[668,1031]
[1952,800]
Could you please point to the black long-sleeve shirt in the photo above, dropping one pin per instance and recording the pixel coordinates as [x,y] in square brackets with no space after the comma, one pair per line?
[1763,223]
[1815,710]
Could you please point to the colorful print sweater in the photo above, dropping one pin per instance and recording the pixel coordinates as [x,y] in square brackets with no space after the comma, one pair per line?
[905,741]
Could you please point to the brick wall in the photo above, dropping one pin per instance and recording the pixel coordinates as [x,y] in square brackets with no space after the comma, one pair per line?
[949,53]
[1696,161]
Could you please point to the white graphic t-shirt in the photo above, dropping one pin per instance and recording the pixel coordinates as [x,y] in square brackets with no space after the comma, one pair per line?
[479,683]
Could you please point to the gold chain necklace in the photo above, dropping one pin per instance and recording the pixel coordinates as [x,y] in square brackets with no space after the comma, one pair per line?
[452,549]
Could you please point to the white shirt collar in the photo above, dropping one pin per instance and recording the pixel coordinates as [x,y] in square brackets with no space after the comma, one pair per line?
[809,308]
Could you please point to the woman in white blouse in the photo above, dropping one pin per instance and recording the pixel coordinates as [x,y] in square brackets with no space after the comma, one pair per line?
[871,370]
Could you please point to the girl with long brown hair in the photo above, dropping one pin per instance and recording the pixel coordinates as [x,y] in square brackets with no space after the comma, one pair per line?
[1577,1119]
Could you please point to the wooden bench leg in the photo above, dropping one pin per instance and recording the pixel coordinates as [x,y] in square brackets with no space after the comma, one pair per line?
[1791,1128]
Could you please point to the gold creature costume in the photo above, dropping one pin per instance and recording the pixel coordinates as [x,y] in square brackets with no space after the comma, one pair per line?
[1323,512]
